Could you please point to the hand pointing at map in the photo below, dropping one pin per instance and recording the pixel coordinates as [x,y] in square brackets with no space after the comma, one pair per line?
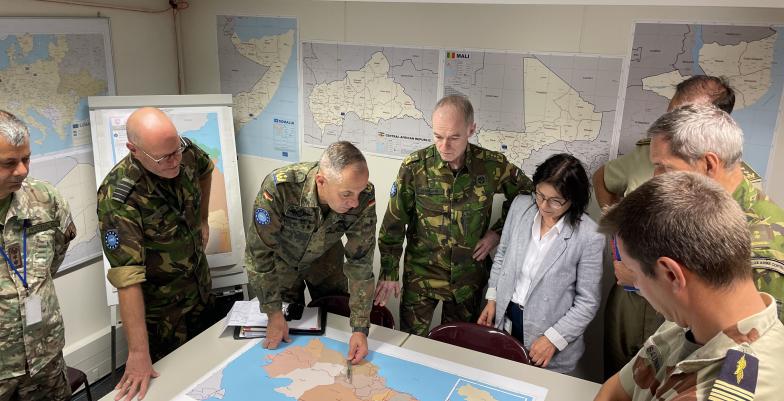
[357,347]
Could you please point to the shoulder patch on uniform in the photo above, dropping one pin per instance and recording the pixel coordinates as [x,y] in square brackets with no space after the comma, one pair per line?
[737,379]
[393,190]
[262,216]
[414,157]
[267,196]
[767,263]
[122,189]
[111,239]
[289,175]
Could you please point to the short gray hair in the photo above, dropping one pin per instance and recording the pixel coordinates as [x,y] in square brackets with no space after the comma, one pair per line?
[338,156]
[461,104]
[689,218]
[13,129]
[695,130]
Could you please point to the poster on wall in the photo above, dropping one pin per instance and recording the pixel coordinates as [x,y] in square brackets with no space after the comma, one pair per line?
[258,67]
[48,68]
[751,57]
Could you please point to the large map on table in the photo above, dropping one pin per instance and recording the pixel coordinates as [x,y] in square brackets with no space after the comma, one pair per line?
[258,66]
[48,67]
[750,57]
[314,369]
[379,98]
[530,106]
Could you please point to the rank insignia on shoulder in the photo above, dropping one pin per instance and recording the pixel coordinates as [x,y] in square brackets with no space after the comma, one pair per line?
[737,379]
[393,190]
[267,196]
[111,239]
[262,216]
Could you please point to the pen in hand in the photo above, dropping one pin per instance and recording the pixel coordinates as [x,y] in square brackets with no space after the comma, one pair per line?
[348,370]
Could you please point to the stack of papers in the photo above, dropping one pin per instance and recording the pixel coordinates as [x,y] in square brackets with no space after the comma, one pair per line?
[249,322]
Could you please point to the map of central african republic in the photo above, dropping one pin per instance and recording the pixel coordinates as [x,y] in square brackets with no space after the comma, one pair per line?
[314,369]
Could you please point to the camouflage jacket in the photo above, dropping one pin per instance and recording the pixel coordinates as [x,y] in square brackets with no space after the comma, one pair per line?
[670,366]
[289,231]
[442,215]
[766,222]
[38,209]
[151,231]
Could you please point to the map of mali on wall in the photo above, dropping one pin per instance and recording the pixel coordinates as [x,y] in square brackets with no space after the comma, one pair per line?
[258,66]
[750,57]
[47,70]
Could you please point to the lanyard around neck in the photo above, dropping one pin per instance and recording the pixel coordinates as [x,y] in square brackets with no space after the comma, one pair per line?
[22,276]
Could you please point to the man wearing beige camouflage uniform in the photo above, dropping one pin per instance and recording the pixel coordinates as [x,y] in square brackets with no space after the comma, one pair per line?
[152,211]
[688,243]
[36,230]
[440,204]
[300,216]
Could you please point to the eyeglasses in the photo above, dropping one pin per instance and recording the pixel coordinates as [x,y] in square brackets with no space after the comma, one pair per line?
[169,157]
[555,203]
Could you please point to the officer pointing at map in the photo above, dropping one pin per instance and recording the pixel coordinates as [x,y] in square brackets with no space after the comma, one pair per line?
[153,209]
[300,216]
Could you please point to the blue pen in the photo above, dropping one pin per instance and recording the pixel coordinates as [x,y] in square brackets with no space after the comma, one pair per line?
[629,288]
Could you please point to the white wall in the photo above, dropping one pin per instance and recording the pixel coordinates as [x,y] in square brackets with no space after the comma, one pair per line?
[588,29]
[144,62]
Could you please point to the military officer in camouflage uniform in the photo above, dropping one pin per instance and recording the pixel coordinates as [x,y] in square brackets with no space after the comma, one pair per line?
[301,214]
[440,204]
[687,241]
[153,210]
[707,140]
[36,229]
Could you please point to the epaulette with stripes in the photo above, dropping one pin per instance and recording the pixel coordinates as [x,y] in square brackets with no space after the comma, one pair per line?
[123,189]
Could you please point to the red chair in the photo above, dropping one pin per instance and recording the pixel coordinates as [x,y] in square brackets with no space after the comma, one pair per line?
[488,340]
[338,304]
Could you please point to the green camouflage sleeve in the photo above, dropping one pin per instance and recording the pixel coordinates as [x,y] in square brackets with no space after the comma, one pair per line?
[122,239]
[260,259]
[399,213]
[358,268]
[204,164]
[512,182]
[64,233]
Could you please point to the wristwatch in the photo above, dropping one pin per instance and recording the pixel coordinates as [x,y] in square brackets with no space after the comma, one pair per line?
[363,330]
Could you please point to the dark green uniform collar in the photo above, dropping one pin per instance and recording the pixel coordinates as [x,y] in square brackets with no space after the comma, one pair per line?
[440,163]
[19,205]
[309,196]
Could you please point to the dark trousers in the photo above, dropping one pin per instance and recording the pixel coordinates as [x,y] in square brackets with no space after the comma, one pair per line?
[515,313]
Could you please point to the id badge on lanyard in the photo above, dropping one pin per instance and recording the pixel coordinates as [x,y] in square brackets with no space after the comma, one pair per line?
[32,303]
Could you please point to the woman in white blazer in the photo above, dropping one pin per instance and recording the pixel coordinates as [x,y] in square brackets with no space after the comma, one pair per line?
[544,287]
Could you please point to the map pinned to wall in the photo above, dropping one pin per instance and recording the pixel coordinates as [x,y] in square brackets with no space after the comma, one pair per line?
[258,66]
[48,67]
[530,106]
[314,369]
[379,98]
[750,57]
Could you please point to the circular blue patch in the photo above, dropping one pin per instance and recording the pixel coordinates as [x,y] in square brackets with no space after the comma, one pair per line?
[112,240]
[262,216]
[393,191]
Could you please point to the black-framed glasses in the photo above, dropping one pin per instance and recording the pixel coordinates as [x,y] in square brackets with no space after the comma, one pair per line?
[553,202]
[169,157]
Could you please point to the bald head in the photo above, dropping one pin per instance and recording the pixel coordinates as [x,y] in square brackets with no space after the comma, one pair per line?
[148,127]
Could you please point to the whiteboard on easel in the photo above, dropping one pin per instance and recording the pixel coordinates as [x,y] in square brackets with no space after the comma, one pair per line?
[207,121]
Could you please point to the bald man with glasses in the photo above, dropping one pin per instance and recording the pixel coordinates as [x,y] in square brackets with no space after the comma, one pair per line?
[153,209]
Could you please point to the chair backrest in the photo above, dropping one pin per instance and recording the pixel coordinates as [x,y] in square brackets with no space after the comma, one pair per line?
[338,304]
[480,338]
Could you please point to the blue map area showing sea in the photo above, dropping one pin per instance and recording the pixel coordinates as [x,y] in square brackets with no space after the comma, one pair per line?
[258,136]
[245,378]
[208,138]
[757,120]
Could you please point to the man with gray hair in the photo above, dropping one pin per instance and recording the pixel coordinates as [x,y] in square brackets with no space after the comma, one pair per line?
[708,141]
[687,242]
[36,229]
[300,216]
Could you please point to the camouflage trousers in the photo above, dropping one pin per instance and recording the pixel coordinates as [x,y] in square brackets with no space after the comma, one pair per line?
[50,384]
[169,328]
[629,320]
[323,277]
[416,311]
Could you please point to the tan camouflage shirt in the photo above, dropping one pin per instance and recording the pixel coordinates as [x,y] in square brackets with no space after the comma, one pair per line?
[38,209]
[672,367]
[289,231]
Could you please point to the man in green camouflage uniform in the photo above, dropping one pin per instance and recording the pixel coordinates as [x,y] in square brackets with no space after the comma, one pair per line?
[687,242]
[153,209]
[441,204]
[707,140]
[629,319]
[300,216]
[36,229]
